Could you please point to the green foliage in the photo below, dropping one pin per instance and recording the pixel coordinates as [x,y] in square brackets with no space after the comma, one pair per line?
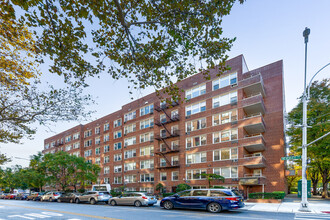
[273,195]
[211,176]
[218,187]
[159,187]
[115,194]
[147,42]
[167,194]
[182,187]
[318,117]
[81,190]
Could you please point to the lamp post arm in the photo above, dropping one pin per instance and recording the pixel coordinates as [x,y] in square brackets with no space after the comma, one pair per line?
[310,82]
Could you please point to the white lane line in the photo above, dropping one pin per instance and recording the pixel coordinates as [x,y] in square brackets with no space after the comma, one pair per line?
[19,216]
[37,215]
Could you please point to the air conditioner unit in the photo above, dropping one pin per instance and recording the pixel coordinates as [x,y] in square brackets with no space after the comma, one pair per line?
[188,132]
[235,160]
[187,165]
[234,85]
[151,154]
[235,179]
[187,117]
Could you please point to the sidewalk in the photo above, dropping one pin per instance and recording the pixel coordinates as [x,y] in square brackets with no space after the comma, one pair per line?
[290,205]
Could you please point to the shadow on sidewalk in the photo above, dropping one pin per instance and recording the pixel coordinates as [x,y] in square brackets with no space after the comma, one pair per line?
[314,199]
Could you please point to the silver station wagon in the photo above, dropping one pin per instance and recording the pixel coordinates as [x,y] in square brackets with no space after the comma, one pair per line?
[134,198]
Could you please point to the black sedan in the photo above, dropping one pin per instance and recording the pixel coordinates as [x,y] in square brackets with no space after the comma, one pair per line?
[68,197]
[22,196]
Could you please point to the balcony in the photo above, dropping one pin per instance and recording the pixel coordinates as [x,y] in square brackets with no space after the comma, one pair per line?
[175,133]
[174,164]
[251,161]
[173,118]
[164,106]
[165,150]
[253,105]
[252,180]
[254,124]
[253,85]
[254,143]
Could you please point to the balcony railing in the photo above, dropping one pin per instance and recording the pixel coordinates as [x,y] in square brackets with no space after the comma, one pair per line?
[253,105]
[164,106]
[251,161]
[174,133]
[255,143]
[173,118]
[254,124]
[252,180]
[173,164]
[252,85]
[165,150]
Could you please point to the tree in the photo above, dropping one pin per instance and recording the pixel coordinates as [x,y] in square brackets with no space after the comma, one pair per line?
[159,188]
[211,177]
[314,174]
[182,187]
[4,159]
[318,117]
[147,42]
[22,101]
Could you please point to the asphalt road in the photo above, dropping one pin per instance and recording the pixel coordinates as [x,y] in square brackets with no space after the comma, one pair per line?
[15,209]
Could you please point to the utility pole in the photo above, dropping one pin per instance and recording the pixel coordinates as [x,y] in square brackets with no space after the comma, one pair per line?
[304,206]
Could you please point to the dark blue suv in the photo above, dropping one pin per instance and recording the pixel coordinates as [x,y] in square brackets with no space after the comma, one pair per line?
[212,200]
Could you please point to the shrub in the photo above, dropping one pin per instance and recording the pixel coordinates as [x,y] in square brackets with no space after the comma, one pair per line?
[218,187]
[167,194]
[82,190]
[273,195]
[114,193]
[182,187]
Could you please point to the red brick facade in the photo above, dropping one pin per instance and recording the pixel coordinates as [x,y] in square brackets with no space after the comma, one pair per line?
[255,165]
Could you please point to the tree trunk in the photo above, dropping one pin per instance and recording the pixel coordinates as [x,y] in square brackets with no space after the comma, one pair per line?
[314,187]
[325,189]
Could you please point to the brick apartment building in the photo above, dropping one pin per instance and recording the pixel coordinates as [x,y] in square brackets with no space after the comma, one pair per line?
[231,125]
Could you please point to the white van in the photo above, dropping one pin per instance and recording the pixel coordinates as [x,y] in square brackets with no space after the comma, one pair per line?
[102,187]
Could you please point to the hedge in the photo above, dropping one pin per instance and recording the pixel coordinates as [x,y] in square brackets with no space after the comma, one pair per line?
[167,194]
[273,195]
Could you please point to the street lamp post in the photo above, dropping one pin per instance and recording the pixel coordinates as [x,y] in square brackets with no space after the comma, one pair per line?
[304,206]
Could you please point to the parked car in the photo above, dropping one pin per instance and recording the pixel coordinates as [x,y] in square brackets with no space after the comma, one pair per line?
[2,196]
[22,196]
[50,196]
[213,200]
[94,197]
[68,197]
[134,198]
[10,196]
[36,196]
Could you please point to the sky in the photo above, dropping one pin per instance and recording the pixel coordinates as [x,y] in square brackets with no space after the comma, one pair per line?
[266,31]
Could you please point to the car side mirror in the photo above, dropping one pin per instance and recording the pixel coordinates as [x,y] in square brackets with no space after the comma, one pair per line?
[176,196]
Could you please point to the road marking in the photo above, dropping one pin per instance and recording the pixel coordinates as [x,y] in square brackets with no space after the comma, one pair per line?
[19,216]
[48,211]
[38,215]
[311,216]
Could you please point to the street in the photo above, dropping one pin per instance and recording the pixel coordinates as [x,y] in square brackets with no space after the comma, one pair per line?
[13,209]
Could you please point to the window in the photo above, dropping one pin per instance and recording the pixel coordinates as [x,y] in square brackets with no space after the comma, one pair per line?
[162,162]
[196,141]
[227,135]
[76,136]
[117,180]
[257,172]
[116,134]
[117,123]
[196,91]
[225,154]
[129,128]
[163,176]
[98,140]
[97,130]
[227,172]
[224,81]
[106,127]
[117,157]
[196,158]
[106,137]
[117,169]
[69,147]
[88,143]
[195,108]
[175,160]
[130,141]
[97,160]
[184,193]
[106,148]
[195,174]
[175,175]
[200,193]
[225,117]
[175,145]
[46,146]
[88,133]
[147,123]
[147,177]
[219,193]
[130,189]
[130,154]
[147,164]
[129,166]
[147,137]
[147,109]
[175,129]
[175,114]
[97,151]
[196,124]
[130,179]
[68,139]
[225,99]
[52,144]
[106,180]
[106,159]
[147,189]
[89,161]
[117,146]
[76,145]
[77,153]
[129,116]
[88,153]
[145,151]
[162,118]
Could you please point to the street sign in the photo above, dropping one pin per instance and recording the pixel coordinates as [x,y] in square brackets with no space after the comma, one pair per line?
[291,158]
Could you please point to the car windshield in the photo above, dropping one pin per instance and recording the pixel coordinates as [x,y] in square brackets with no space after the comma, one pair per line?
[236,193]
[149,194]
[104,193]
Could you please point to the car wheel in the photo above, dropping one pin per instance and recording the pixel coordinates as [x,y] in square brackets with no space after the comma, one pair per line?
[168,205]
[77,201]
[214,207]
[71,200]
[150,204]
[113,203]
[50,199]
[92,201]
[137,203]
[58,200]
[41,200]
